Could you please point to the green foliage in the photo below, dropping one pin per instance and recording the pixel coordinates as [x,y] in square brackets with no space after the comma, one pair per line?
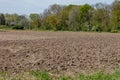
[3,27]
[98,76]
[34,16]
[115,17]
[116,74]
[96,28]
[18,27]
[41,75]
[85,16]
[100,17]
[35,21]
[2,19]
[65,78]
[114,31]
[51,23]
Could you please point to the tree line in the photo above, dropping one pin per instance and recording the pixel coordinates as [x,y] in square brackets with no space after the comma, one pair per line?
[98,17]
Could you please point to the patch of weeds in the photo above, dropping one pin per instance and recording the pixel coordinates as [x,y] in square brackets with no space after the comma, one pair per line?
[115,31]
[97,76]
[41,75]
[116,74]
[65,78]
[3,75]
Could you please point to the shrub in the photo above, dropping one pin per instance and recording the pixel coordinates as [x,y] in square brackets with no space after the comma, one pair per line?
[96,29]
[114,31]
[3,27]
[18,27]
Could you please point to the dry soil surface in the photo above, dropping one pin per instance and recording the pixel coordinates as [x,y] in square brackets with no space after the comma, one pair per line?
[59,52]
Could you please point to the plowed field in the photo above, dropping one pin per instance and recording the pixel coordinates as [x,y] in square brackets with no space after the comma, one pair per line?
[59,52]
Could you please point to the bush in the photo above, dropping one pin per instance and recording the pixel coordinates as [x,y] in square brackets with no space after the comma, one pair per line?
[97,29]
[114,31]
[18,27]
[4,27]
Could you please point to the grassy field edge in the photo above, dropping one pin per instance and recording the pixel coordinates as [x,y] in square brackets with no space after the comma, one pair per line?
[43,75]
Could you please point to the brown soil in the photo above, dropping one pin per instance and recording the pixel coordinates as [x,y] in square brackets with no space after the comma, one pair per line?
[59,52]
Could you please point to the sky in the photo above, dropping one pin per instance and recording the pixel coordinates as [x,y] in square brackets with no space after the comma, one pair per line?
[38,6]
